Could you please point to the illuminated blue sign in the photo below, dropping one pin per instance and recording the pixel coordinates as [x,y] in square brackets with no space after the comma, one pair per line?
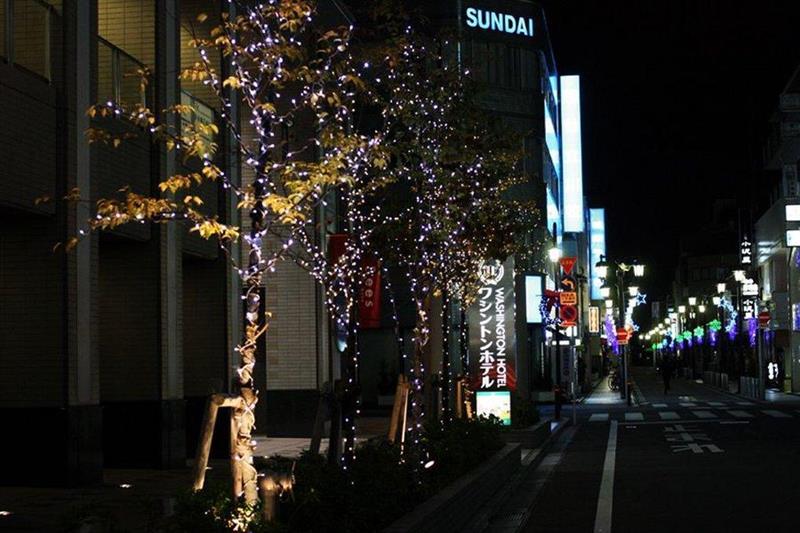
[597,232]
[551,139]
[503,22]
[572,153]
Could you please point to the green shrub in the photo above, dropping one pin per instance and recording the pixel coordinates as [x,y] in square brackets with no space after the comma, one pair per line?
[379,488]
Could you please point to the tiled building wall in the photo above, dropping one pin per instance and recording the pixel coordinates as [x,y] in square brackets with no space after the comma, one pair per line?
[204,326]
[129,307]
[31,312]
[130,25]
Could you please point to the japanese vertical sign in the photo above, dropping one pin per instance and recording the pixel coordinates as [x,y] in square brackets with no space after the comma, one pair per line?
[492,337]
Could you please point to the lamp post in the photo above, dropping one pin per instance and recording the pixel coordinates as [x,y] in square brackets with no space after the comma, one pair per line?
[554,254]
[620,270]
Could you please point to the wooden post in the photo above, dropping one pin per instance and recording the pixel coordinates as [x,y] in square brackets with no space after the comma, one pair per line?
[319,422]
[215,401]
[398,401]
[460,398]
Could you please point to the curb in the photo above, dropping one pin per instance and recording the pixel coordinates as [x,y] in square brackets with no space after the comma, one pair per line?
[493,507]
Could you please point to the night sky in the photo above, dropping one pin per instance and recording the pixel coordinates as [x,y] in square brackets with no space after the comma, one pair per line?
[676,99]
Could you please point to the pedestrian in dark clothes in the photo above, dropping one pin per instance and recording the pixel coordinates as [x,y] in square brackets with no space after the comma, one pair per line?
[666,373]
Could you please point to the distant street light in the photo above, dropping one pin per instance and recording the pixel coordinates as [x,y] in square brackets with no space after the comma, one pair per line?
[554,254]
[633,290]
[605,290]
[716,300]
[721,288]
[682,309]
[692,301]
[701,308]
[739,275]
[638,270]
[602,267]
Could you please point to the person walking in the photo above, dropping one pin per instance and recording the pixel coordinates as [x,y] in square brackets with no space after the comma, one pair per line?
[666,373]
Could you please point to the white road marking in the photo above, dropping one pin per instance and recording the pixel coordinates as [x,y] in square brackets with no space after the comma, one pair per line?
[716,404]
[634,417]
[668,415]
[599,417]
[696,448]
[687,404]
[605,498]
[740,414]
[659,405]
[704,414]
[745,403]
[776,414]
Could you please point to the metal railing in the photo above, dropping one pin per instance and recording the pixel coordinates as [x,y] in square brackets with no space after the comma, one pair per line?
[26,33]
[119,76]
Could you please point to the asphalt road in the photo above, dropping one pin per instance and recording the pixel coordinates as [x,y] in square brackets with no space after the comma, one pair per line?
[695,460]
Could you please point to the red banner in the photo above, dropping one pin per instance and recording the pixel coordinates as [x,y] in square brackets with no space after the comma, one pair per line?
[369,298]
[369,302]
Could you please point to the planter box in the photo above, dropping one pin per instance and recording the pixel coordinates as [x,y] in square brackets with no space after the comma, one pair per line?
[531,437]
[454,508]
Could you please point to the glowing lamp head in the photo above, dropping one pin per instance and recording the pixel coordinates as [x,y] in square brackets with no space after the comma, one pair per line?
[682,309]
[605,290]
[554,254]
[633,290]
[716,300]
[701,308]
[666,321]
[692,300]
[638,270]
[601,267]
[739,275]
[609,304]
[720,288]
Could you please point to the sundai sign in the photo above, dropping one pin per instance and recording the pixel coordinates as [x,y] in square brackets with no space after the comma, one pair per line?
[496,21]
[512,21]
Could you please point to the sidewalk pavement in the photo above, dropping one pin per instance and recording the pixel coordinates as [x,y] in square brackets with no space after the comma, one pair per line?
[603,395]
[137,498]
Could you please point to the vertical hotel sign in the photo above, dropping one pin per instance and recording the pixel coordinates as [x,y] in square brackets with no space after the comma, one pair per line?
[492,338]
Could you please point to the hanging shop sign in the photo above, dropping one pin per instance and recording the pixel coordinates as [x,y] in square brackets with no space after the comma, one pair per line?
[749,308]
[746,252]
[492,337]
[750,288]
[594,320]
[369,302]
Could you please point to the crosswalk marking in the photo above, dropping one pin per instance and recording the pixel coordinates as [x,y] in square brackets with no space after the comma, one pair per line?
[745,403]
[716,404]
[659,405]
[668,415]
[740,414]
[704,414]
[599,417]
[687,404]
[634,417]
[775,414]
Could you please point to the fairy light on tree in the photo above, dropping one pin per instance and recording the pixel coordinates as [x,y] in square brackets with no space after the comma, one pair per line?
[281,72]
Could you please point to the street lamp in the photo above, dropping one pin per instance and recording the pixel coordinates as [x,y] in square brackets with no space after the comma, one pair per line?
[701,308]
[720,288]
[605,290]
[633,290]
[682,309]
[638,269]
[554,254]
[602,267]
[716,300]
[609,304]
[692,301]
[739,275]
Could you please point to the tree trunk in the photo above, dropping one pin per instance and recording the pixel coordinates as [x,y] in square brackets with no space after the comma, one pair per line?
[446,412]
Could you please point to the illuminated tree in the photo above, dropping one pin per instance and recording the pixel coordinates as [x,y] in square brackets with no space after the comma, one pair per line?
[282,75]
[451,172]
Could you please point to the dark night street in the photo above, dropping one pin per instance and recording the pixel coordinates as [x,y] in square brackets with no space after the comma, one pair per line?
[399,266]
[695,460]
